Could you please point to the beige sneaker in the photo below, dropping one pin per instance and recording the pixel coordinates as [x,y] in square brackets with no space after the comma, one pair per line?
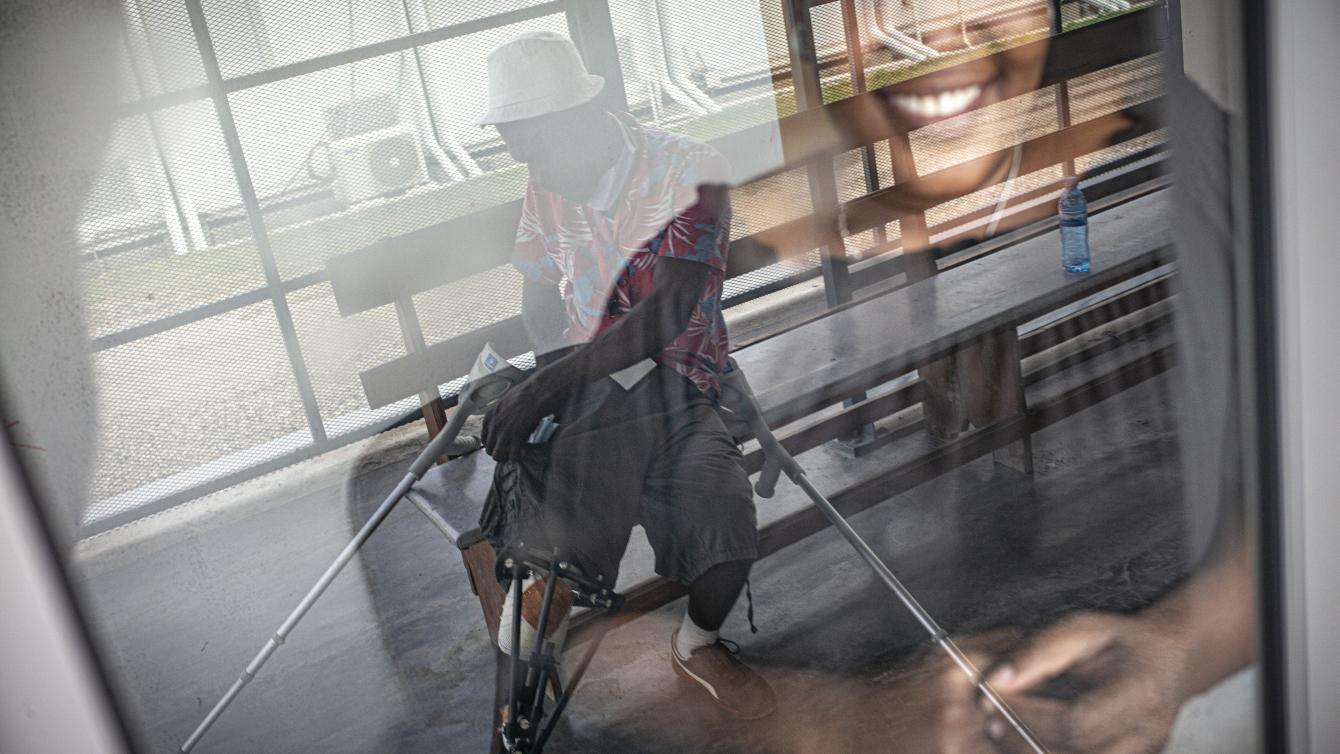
[734,685]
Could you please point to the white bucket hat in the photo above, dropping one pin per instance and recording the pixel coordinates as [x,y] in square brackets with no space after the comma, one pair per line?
[537,73]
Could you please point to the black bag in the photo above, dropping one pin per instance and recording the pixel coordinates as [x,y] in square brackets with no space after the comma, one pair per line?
[516,496]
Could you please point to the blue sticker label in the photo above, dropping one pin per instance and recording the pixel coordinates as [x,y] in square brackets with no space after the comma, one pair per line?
[491,362]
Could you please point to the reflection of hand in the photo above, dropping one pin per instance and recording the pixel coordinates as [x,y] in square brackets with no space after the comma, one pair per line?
[511,422]
[962,726]
[1132,672]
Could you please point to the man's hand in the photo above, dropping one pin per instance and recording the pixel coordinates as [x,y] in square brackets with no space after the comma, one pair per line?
[1130,672]
[509,424]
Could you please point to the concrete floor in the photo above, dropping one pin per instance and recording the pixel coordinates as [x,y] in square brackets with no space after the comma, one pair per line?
[395,657]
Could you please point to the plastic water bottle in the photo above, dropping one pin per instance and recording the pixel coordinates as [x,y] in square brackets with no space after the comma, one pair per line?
[1074,214]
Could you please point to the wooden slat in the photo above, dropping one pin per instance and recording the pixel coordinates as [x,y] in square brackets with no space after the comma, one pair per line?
[387,383]
[393,380]
[1094,192]
[1096,316]
[423,259]
[797,440]
[900,202]
[882,486]
[1136,325]
[1016,226]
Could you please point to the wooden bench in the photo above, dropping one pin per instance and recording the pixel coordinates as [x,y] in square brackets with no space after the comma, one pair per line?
[982,293]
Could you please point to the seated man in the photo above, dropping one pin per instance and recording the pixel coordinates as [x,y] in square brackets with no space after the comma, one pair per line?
[622,244]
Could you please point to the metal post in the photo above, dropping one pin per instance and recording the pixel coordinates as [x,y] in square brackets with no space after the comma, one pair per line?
[823,188]
[186,229]
[251,204]
[593,33]
[430,399]
[1062,91]
[856,61]
[513,700]
[1172,46]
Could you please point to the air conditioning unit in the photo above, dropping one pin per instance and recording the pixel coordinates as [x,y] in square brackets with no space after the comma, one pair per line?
[376,163]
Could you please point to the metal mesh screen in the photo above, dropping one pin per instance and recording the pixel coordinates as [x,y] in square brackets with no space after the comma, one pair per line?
[469,304]
[163,232]
[769,202]
[253,35]
[742,285]
[181,407]
[1114,88]
[162,53]
[348,155]
[677,75]
[219,351]
[338,348]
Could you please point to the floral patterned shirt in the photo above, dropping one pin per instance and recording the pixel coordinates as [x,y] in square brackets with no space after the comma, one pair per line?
[603,259]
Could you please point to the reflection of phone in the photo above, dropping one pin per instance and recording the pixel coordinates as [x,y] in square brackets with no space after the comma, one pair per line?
[1064,687]
[544,431]
[1082,678]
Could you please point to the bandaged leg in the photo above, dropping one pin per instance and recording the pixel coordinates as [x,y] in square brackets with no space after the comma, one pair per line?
[532,596]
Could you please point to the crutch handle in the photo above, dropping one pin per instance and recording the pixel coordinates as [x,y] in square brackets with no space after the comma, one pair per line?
[739,397]
[767,478]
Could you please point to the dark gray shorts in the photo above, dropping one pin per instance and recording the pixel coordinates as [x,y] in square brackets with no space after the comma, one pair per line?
[657,455]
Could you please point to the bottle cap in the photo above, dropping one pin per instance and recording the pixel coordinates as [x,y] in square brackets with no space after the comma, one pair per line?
[1070,181]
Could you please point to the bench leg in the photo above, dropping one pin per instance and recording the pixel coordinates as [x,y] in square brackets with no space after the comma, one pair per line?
[479,559]
[995,391]
[502,681]
[942,400]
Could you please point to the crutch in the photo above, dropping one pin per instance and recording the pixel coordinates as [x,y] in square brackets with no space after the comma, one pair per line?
[491,377]
[776,461]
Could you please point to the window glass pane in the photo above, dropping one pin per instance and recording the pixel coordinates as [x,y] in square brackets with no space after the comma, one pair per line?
[827,357]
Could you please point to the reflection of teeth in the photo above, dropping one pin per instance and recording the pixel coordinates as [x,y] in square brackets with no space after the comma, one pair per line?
[942,105]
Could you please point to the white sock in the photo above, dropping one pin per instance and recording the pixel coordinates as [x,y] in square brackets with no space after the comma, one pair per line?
[691,637]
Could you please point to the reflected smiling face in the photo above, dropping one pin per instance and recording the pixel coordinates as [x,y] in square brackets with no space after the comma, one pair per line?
[980,82]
